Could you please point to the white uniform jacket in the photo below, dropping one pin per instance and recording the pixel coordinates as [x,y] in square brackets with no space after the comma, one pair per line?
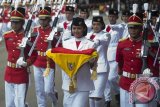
[116,34]
[84,83]
[104,39]
[66,26]
[125,30]
[88,22]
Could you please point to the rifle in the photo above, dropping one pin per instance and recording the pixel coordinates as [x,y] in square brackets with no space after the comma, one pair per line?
[145,45]
[27,32]
[51,37]
[54,27]
[54,30]
[158,39]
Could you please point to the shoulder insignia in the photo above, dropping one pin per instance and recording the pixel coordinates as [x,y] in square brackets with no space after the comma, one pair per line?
[123,39]
[7,32]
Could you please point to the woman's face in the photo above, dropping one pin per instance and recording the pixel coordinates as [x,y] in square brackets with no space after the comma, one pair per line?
[77,31]
[125,18]
[69,15]
[112,19]
[97,26]
[83,15]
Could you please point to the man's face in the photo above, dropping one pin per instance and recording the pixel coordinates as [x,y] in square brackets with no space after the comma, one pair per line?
[112,19]
[83,15]
[44,22]
[77,31]
[69,15]
[17,25]
[135,31]
[153,20]
[96,26]
[125,18]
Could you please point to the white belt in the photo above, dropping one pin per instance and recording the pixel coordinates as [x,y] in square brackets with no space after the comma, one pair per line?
[12,65]
[129,75]
[41,53]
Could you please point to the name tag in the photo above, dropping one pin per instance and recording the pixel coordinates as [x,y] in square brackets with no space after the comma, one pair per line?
[127,49]
[10,39]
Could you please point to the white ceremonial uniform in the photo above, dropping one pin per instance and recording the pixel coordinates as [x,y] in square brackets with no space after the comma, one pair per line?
[88,22]
[18,96]
[66,26]
[125,30]
[115,31]
[84,84]
[102,63]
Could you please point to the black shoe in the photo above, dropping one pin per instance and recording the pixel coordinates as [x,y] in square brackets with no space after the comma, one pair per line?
[56,94]
[107,103]
[117,97]
[26,105]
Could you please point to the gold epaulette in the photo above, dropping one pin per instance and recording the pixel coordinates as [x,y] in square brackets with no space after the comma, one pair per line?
[7,32]
[123,39]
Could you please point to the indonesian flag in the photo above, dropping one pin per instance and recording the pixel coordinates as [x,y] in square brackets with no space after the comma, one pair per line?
[71,60]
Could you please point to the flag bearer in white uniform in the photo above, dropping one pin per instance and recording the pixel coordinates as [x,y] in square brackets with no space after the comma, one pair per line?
[103,39]
[84,13]
[115,31]
[66,24]
[80,97]
[125,15]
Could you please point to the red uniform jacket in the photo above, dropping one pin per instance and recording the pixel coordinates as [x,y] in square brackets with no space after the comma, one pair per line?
[128,56]
[42,46]
[17,75]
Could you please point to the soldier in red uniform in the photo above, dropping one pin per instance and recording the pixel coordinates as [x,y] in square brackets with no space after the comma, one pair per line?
[44,84]
[6,16]
[16,74]
[130,62]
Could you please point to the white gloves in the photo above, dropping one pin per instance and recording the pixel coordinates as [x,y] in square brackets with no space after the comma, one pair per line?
[21,62]
[147,72]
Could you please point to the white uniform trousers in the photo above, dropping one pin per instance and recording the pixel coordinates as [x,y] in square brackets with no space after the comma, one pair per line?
[15,94]
[112,83]
[44,86]
[124,100]
[76,99]
[99,84]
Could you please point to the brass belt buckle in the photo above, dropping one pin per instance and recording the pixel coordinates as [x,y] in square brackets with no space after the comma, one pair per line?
[13,65]
[133,76]
[41,53]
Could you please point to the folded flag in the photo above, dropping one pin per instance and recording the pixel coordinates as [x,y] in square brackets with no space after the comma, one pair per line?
[71,60]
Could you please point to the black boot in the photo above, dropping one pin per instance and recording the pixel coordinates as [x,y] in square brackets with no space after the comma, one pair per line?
[117,97]
[107,103]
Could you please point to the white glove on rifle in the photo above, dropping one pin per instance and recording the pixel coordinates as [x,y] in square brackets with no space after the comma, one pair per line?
[21,62]
[147,72]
